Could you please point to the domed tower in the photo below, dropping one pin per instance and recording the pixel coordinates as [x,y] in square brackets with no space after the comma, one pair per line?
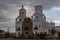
[22,12]
[38,19]
[19,21]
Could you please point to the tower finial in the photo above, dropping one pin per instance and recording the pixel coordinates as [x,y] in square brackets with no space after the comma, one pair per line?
[22,6]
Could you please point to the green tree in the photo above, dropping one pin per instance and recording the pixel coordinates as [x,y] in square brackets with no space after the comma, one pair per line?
[7,34]
[2,33]
[37,35]
[41,35]
[53,31]
[59,34]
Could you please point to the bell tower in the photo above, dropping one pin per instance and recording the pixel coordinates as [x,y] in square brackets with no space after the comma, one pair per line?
[19,21]
[22,12]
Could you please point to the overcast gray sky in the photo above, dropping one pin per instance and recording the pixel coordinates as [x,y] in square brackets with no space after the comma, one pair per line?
[9,10]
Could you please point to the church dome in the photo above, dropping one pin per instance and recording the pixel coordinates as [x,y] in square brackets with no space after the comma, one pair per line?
[22,9]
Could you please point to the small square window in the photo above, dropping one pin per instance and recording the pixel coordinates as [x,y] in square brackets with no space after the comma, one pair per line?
[19,19]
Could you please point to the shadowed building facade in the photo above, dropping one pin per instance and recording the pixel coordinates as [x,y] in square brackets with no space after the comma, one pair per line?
[27,28]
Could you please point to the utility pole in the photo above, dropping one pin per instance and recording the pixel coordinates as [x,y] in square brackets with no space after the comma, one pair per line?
[8,33]
[8,30]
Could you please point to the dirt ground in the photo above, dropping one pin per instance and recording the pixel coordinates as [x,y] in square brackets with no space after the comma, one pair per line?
[25,39]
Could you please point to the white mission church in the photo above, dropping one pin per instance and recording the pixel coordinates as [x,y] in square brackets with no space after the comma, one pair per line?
[39,23]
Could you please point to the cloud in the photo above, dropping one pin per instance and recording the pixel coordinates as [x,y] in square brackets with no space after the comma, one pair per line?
[12,6]
[56,21]
[9,9]
[55,8]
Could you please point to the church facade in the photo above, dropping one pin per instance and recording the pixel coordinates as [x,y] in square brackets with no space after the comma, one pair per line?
[38,19]
[23,24]
[26,27]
